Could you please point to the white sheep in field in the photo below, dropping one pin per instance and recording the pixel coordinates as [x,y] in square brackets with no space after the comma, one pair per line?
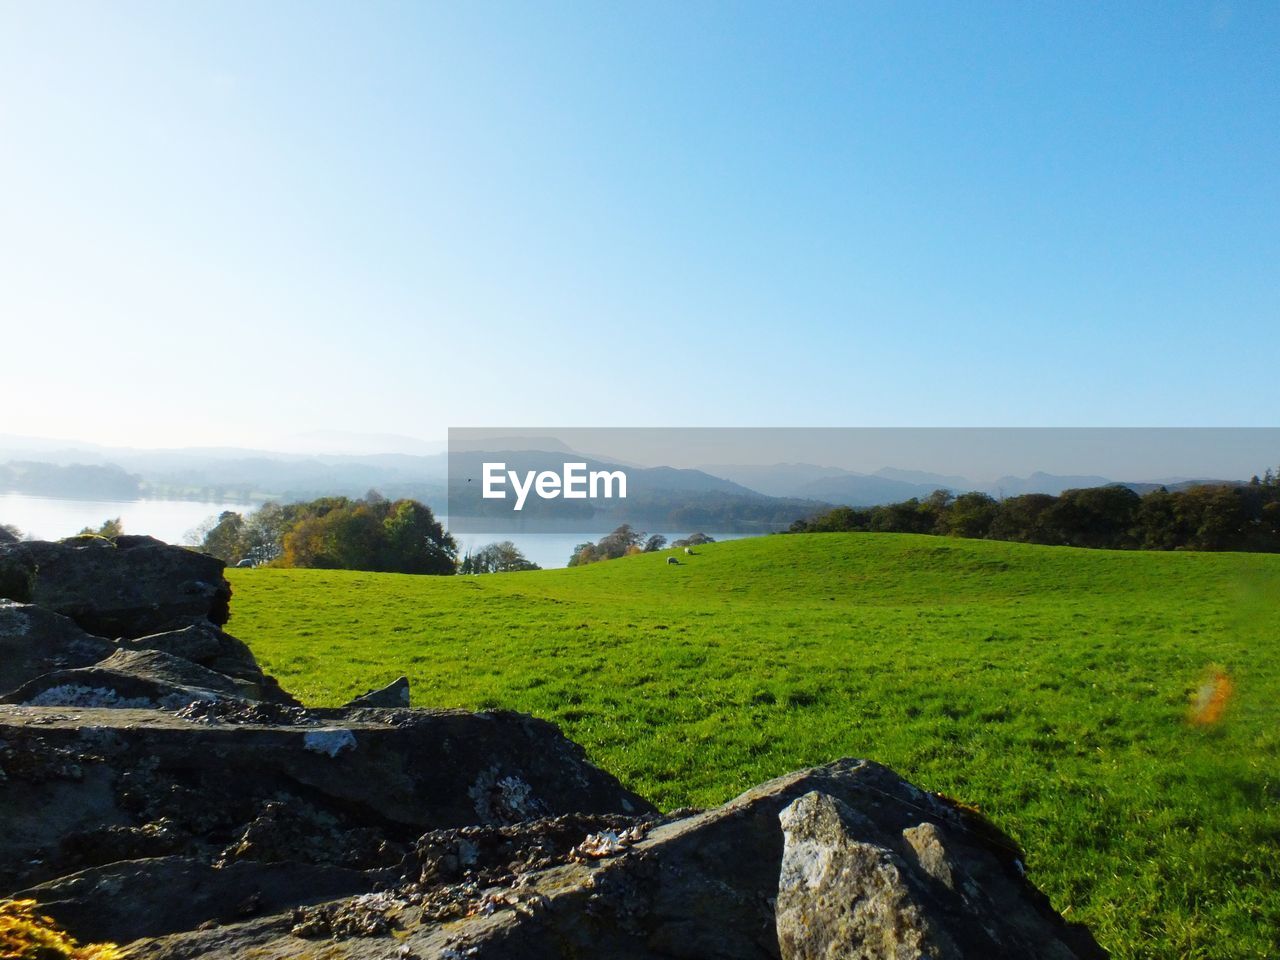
[689,551]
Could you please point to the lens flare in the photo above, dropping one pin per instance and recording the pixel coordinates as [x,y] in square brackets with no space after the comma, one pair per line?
[1209,699]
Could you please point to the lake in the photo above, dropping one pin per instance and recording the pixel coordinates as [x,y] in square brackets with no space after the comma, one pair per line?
[49,518]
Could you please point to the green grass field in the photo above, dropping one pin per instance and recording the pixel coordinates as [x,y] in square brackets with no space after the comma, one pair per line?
[1048,686]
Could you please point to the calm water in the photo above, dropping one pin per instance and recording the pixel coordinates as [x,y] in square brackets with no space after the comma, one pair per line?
[47,518]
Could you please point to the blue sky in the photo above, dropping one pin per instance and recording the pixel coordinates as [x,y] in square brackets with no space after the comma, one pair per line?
[232,222]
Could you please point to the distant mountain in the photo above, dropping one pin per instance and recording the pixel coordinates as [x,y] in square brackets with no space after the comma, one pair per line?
[662,497]
[776,480]
[76,481]
[762,492]
[861,490]
[922,478]
[290,477]
[836,485]
[1040,482]
[640,480]
[892,485]
[215,473]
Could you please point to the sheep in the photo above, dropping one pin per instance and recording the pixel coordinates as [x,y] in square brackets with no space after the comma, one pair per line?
[673,561]
[689,551]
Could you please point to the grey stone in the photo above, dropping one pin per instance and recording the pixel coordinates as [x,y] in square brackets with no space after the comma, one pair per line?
[35,641]
[128,678]
[394,694]
[210,772]
[936,890]
[126,587]
[701,886]
[205,644]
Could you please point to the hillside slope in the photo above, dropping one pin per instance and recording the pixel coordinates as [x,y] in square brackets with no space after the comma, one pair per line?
[1048,686]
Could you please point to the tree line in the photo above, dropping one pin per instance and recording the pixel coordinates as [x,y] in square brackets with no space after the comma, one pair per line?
[1242,517]
[626,541]
[335,533]
[75,481]
[502,557]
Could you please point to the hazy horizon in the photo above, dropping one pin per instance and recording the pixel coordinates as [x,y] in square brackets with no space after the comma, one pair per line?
[977,455]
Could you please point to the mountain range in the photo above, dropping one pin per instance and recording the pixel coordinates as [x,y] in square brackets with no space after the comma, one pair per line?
[248,474]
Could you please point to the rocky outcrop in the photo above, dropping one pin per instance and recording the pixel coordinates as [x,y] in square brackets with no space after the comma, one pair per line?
[206,645]
[849,887]
[163,602]
[121,587]
[158,790]
[168,894]
[34,641]
[234,779]
[859,862]
[855,868]
[130,678]
[394,694]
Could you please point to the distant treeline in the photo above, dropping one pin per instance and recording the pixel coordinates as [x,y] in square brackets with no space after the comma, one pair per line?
[336,533]
[626,541]
[1212,517]
[75,481]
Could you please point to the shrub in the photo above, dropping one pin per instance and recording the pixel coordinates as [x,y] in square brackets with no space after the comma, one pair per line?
[28,935]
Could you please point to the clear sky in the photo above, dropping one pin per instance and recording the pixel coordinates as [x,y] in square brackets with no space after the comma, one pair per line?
[230,222]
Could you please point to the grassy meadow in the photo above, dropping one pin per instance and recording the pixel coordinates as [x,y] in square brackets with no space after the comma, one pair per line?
[1049,686]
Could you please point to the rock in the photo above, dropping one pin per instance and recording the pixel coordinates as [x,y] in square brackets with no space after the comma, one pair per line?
[848,890]
[17,574]
[840,897]
[394,694]
[34,641]
[129,678]
[123,901]
[205,644]
[303,833]
[330,741]
[863,853]
[126,587]
[213,772]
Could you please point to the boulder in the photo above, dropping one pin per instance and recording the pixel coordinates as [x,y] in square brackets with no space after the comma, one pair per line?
[125,587]
[128,678]
[17,574]
[35,641]
[212,772]
[849,889]
[205,644]
[394,694]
